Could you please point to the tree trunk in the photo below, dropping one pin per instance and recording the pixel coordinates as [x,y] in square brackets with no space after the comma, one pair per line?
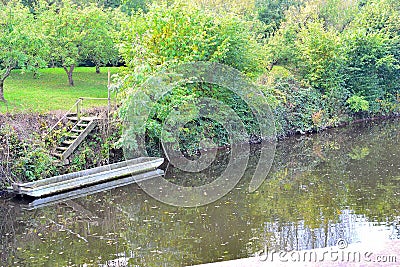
[36,71]
[2,91]
[2,79]
[69,73]
[97,69]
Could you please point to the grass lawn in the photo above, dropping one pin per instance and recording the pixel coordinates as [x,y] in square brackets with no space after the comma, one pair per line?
[51,90]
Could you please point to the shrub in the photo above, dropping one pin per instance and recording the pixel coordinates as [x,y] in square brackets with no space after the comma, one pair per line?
[358,103]
[21,160]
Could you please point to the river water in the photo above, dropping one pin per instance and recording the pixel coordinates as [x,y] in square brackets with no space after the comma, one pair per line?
[341,184]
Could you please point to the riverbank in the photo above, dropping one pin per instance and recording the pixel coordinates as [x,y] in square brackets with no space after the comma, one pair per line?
[25,150]
[346,124]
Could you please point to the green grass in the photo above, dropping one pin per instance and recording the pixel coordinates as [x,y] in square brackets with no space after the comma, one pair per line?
[51,91]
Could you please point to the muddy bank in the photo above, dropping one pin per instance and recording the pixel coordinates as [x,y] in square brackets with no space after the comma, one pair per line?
[27,125]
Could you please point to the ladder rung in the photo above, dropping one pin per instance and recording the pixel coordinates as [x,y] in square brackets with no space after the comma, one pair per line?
[62,148]
[76,131]
[57,155]
[67,142]
[81,125]
[89,119]
[83,119]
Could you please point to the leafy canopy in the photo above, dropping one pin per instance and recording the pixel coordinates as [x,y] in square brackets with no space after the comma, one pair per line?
[184,32]
[21,41]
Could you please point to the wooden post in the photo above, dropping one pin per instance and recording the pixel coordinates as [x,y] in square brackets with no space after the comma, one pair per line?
[109,94]
[108,111]
[81,109]
[78,111]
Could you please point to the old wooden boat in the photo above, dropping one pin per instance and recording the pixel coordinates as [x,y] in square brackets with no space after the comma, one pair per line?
[67,182]
[62,197]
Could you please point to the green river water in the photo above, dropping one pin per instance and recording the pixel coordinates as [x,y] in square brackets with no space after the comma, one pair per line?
[338,184]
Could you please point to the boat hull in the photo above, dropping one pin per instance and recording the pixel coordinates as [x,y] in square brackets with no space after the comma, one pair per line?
[67,182]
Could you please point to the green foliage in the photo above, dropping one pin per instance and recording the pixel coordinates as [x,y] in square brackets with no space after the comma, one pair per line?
[21,160]
[185,100]
[167,35]
[127,6]
[272,12]
[358,103]
[130,6]
[372,53]
[36,164]
[356,55]
[77,33]
[64,31]
[309,49]
[379,15]
[185,33]
[83,159]
[338,14]
[299,109]
[319,56]
[21,42]
[98,44]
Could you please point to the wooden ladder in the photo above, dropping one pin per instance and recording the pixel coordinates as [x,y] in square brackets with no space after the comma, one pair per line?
[83,126]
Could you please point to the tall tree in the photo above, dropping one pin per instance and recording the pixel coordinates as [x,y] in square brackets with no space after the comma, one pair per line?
[64,34]
[76,33]
[373,53]
[21,43]
[98,40]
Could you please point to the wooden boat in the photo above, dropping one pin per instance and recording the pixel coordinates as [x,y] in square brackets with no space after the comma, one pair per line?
[62,197]
[67,182]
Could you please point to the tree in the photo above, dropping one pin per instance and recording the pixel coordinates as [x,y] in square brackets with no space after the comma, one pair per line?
[308,48]
[338,14]
[319,56]
[239,7]
[64,35]
[98,39]
[129,6]
[272,12]
[184,32]
[372,55]
[21,43]
[76,33]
